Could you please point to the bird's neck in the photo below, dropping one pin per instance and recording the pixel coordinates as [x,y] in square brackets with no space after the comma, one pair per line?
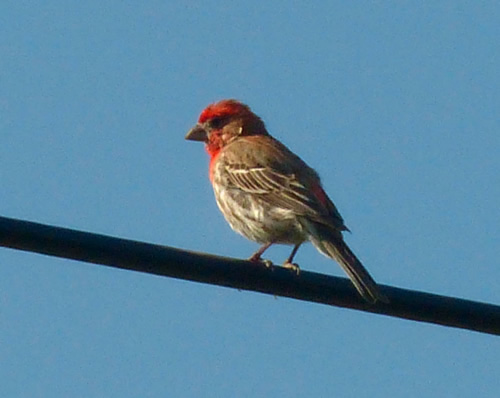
[214,154]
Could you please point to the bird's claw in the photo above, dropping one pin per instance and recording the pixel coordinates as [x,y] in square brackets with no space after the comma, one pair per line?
[260,260]
[267,263]
[293,267]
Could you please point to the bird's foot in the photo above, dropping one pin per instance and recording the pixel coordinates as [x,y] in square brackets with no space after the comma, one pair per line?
[291,266]
[257,259]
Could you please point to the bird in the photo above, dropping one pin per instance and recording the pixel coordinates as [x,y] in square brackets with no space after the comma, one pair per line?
[270,195]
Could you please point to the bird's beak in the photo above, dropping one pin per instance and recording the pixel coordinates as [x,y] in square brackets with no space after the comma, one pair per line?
[197,133]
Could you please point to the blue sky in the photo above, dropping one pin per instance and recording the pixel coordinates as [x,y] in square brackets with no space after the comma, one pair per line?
[396,104]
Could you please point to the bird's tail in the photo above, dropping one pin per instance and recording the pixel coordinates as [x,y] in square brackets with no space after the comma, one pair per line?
[331,243]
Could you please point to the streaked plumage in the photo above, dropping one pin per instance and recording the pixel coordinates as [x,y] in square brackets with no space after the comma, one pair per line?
[268,194]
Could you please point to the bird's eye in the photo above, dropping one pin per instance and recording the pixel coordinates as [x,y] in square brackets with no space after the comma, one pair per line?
[216,122]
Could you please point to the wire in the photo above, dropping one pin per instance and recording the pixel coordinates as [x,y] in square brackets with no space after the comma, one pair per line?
[241,274]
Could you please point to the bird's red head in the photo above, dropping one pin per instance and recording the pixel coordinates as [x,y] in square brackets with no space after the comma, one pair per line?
[222,122]
[223,109]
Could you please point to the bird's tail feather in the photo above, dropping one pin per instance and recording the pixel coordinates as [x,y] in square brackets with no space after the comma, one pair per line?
[332,245]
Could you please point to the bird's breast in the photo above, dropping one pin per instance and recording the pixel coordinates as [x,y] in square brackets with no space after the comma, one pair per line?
[250,216]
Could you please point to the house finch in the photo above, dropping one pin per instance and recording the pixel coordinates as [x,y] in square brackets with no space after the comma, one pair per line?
[269,195]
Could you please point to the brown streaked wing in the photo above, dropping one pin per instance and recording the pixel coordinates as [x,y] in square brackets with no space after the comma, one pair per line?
[282,190]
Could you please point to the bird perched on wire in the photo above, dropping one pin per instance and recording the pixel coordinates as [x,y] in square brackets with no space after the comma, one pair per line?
[269,195]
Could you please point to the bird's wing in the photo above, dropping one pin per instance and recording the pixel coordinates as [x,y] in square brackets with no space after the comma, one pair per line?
[285,190]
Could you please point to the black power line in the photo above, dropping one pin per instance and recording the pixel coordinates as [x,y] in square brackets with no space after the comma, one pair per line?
[241,274]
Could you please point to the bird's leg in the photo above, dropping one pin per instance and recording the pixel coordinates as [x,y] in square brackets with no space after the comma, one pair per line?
[256,257]
[288,262]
